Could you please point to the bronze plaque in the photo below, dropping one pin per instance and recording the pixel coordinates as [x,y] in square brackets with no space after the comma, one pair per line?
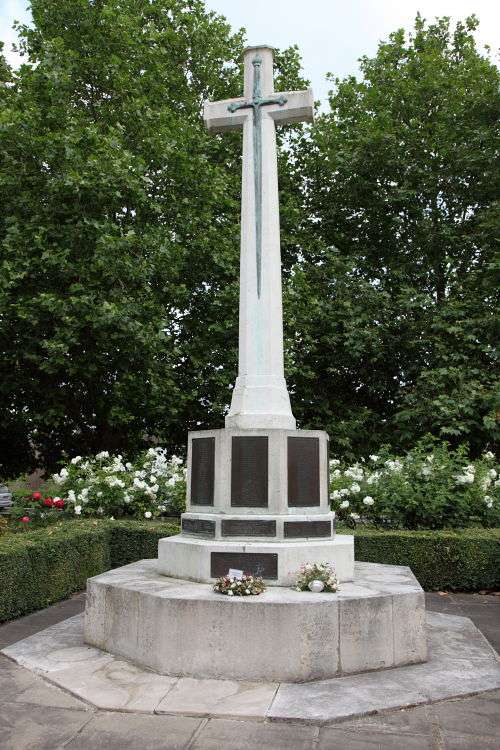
[255,563]
[295,529]
[198,526]
[248,527]
[303,472]
[202,471]
[249,458]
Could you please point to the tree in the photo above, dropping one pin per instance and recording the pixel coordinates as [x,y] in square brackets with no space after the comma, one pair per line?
[119,230]
[395,298]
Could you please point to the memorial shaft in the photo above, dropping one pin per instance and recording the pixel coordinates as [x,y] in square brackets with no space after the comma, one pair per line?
[260,397]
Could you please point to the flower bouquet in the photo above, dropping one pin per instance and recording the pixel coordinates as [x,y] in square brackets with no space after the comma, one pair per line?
[247,585]
[317,572]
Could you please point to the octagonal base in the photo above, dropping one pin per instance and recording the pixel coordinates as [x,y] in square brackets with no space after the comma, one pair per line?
[181,628]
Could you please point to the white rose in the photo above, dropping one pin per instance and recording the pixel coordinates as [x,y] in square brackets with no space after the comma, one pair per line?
[337,473]
[368,500]
[76,459]
[373,458]
[334,462]
[354,516]
[344,504]
[103,454]
[71,496]
[148,514]
[355,488]
[492,473]
[335,495]
[78,509]
[489,456]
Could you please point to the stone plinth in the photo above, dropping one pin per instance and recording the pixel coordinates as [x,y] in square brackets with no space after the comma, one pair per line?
[277,562]
[257,501]
[181,628]
[265,471]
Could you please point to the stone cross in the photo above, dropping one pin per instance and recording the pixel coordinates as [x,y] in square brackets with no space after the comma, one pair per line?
[260,396]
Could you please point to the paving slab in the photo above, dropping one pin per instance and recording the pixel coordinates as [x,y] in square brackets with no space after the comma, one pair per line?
[238,735]
[340,739]
[19,685]
[107,731]
[39,727]
[461,663]
[445,675]
[222,698]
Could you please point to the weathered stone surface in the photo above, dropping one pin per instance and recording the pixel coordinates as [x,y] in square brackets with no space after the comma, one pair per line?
[39,727]
[190,558]
[138,614]
[221,698]
[445,676]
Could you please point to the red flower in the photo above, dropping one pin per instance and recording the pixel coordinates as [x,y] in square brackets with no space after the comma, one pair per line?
[25,519]
[37,496]
[58,503]
[48,502]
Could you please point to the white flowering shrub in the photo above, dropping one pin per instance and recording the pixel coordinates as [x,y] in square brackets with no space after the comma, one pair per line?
[108,486]
[431,487]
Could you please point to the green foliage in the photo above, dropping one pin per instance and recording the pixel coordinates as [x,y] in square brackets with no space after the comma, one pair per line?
[430,487]
[111,486]
[119,237]
[40,567]
[467,560]
[393,313]
[118,233]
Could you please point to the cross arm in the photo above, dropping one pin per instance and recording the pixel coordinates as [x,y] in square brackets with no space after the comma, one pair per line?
[218,117]
[299,107]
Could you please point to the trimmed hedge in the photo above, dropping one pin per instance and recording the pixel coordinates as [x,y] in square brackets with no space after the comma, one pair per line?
[465,560]
[43,566]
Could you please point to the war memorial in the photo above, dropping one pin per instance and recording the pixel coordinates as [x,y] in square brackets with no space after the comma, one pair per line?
[258,501]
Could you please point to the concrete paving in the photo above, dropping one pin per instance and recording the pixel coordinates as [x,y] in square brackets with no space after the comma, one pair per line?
[38,716]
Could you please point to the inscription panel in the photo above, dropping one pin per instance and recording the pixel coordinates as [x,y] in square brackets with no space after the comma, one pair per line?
[247,527]
[255,563]
[202,471]
[249,472]
[198,526]
[295,529]
[303,472]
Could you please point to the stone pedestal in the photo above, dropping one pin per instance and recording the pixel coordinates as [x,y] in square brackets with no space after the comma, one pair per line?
[257,501]
[181,628]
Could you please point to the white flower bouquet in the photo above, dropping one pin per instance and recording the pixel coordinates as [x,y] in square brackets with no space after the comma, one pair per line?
[323,572]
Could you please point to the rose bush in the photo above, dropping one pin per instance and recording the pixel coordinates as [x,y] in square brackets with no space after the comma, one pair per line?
[109,486]
[430,487]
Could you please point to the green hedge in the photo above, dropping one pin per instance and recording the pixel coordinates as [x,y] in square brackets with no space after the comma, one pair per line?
[43,566]
[466,560]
